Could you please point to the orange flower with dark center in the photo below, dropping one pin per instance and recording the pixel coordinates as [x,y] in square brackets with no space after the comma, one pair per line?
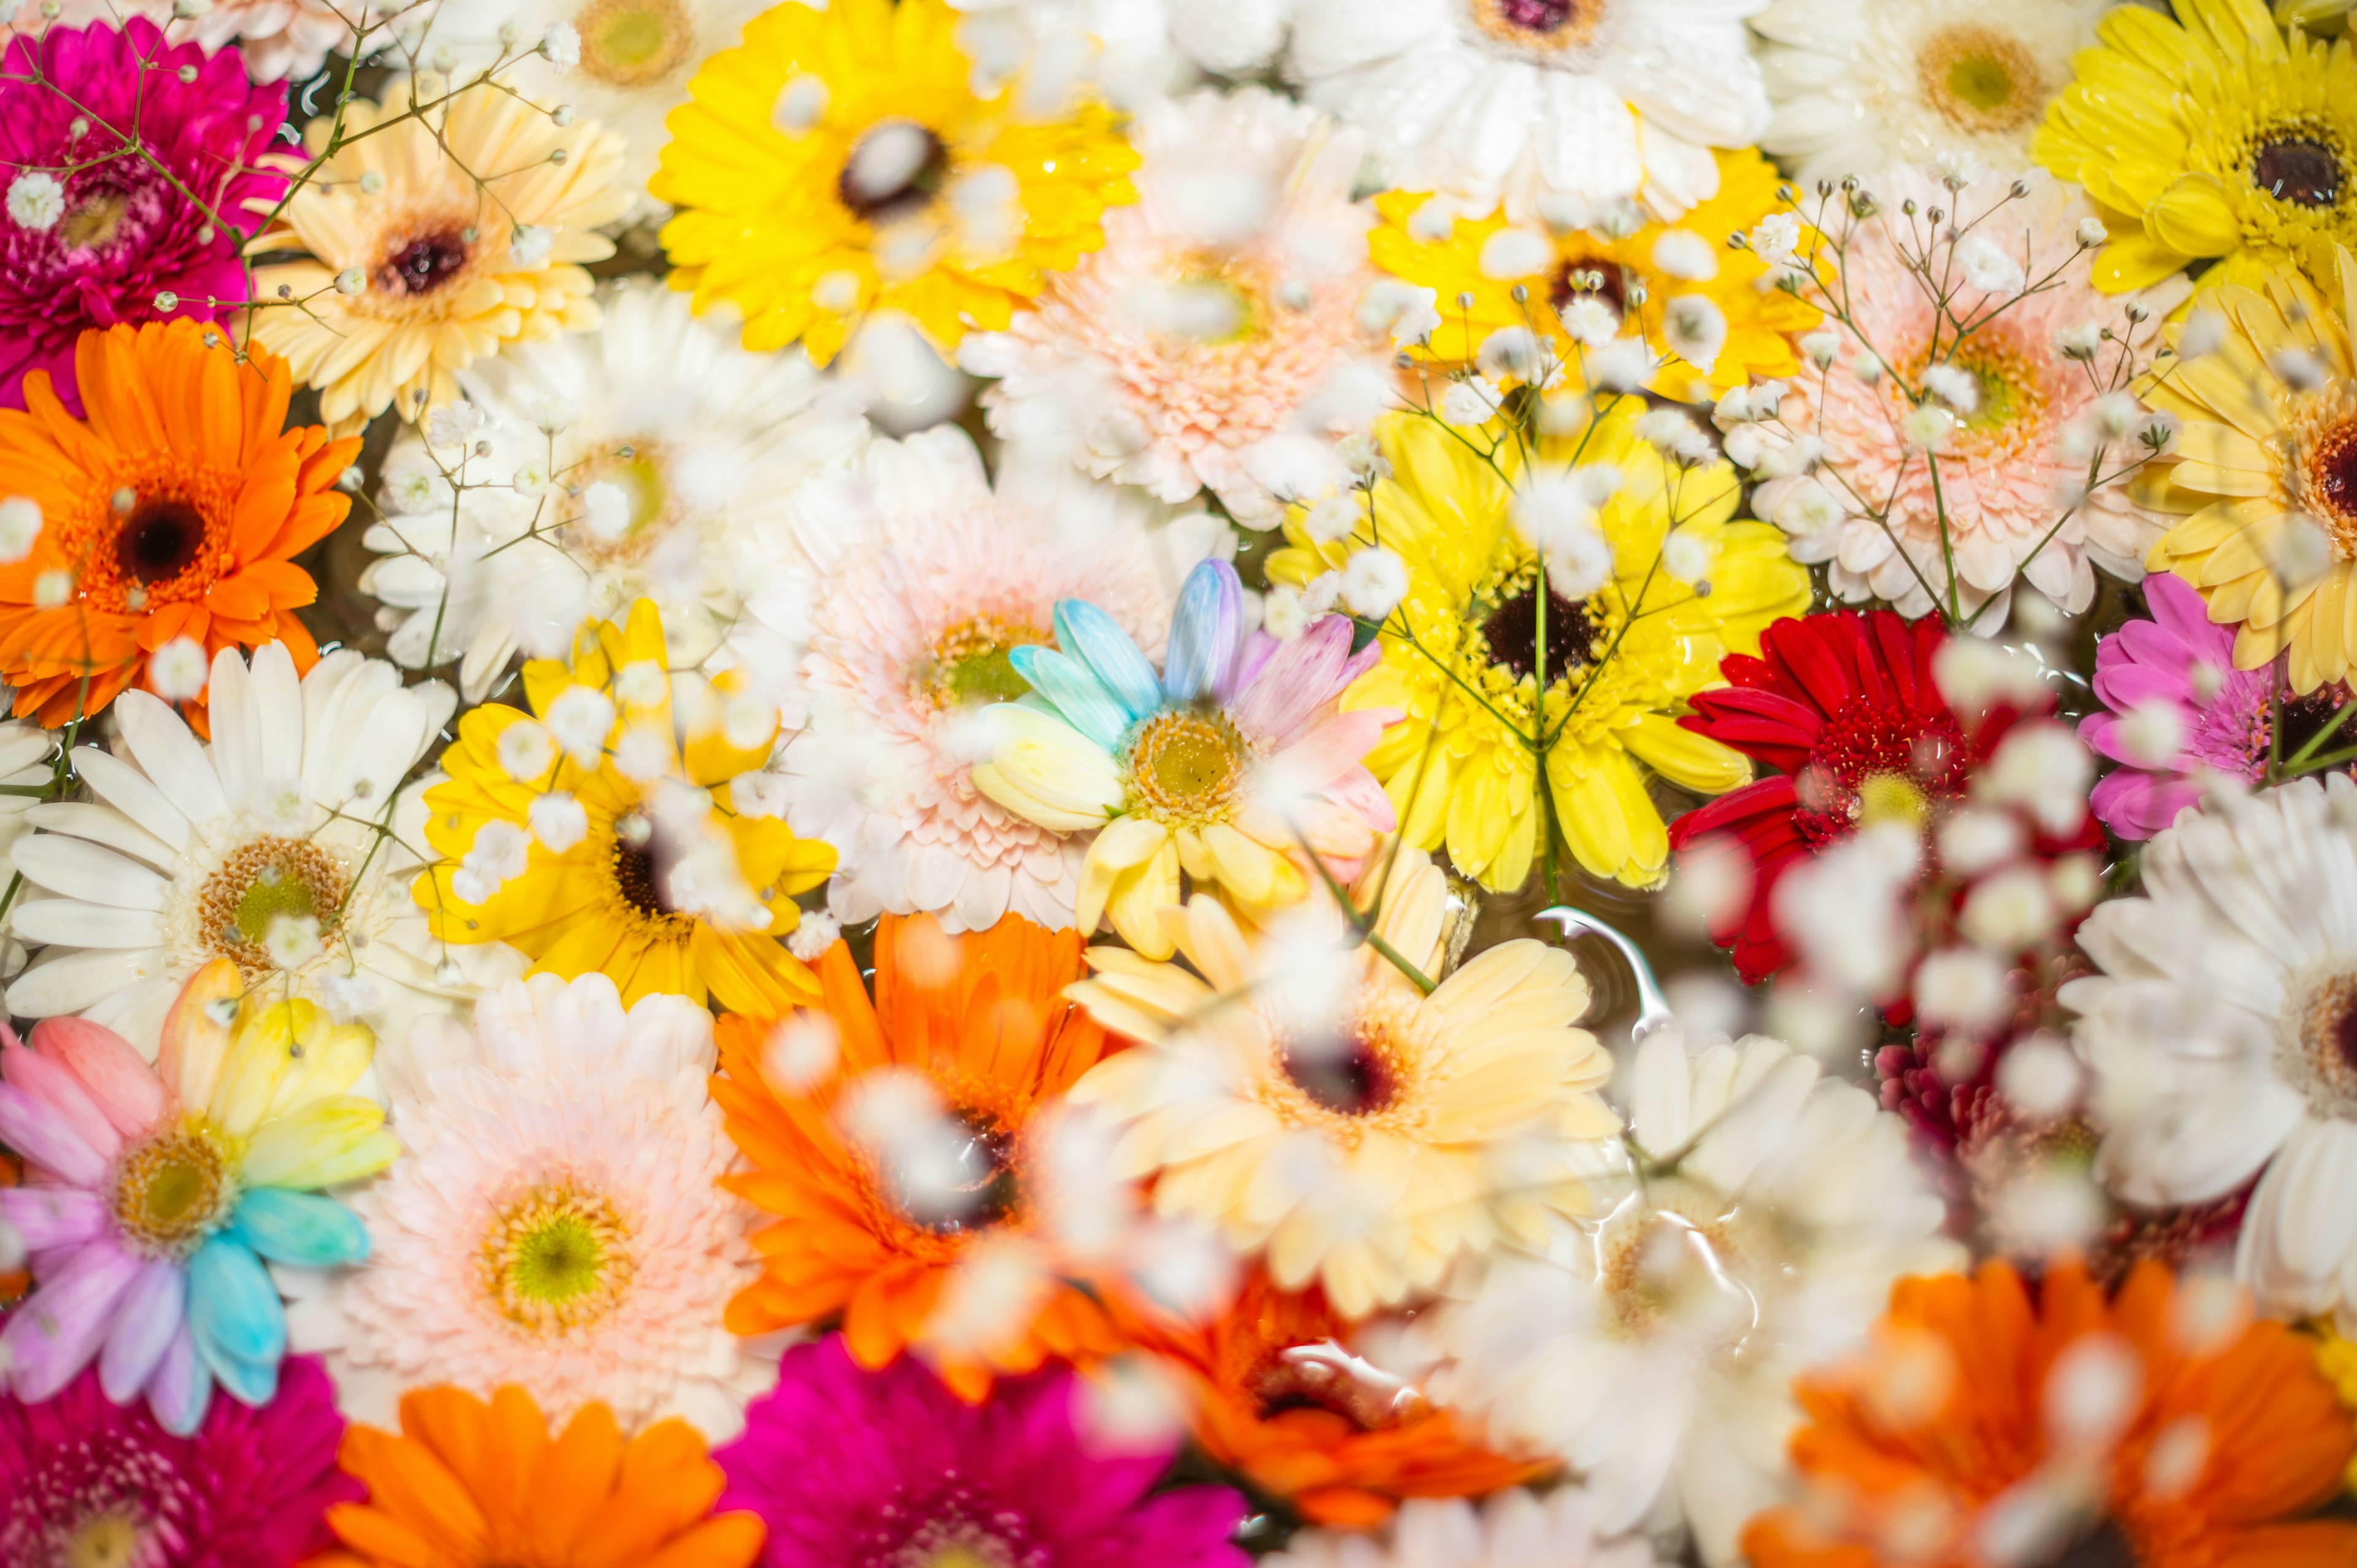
[982,1020]
[1280,1396]
[471,1484]
[173,507]
[2161,1429]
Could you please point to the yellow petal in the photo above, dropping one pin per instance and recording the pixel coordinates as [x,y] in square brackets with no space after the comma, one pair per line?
[2195,216]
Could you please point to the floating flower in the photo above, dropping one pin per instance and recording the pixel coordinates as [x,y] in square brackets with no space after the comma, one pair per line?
[904,634]
[1461,655]
[173,509]
[1511,1530]
[438,216]
[2257,455]
[602,830]
[1278,1394]
[552,1222]
[1858,84]
[2215,1033]
[2210,135]
[1232,764]
[1192,352]
[1653,1350]
[1995,503]
[852,1465]
[980,1019]
[1616,265]
[2159,1426]
[844,160]
[84,1480]
[168,1186]
[474,1485]
[706,449]
[136,236]
[1303,1130]
[294,818]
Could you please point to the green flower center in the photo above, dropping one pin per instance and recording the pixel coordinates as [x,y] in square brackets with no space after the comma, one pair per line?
[555,1258]
[173,1190]
[1979,80]
[1186,767]
[628,43]
[263,879]
[971,664]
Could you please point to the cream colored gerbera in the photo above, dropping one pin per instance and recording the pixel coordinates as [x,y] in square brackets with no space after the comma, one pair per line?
[1317,1101]
[433,242]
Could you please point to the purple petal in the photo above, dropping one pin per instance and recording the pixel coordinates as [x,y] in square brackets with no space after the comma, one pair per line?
[1299,679]
[32,1128]
[150,1316]
[60,1326]
[181,1387]
[53,1216]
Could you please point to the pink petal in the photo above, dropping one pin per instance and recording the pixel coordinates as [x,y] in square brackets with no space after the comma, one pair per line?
[1335,745]
[1299,679]
[47,1217]
[57,1088]
[53,1335]
[125,1087]
[33,1128]
[1358,790]
[150,1315]
[181,1387]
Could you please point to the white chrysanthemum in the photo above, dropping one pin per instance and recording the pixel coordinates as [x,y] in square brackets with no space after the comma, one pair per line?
[553,1221]
[1856,83]
[188,852]
[2222,1034]
[1516,1529]
[1654,1349]
[930,579]
[1565,108]
[653,458]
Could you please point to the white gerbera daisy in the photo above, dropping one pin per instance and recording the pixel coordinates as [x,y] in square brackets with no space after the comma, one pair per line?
[1856,83]
[25,753]
[1566,108]
[1654,1348]
[2222,1034]
[651,460]
[553,1221]
[287,844]
[1516,1529]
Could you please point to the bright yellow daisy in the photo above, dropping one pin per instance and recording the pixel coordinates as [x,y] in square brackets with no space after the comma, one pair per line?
[599,832]
[1462,651]
[842,160]
[2257,454]
[2214,135]
[1625,276]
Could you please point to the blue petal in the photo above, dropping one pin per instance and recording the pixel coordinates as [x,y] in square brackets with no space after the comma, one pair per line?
[234,1314]
[1087,706]
[248,1382]
[1088,634]
[299,1227]
[1203,633]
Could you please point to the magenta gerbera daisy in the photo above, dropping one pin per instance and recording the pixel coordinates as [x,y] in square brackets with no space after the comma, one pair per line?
[98,232]
[86,1481]
[848,1466]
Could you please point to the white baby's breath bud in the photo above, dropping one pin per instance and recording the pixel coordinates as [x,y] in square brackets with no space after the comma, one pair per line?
[1281,614]
[1409,314]
[1330,519]
[2299,552]
[531,244]
[1619,366]
[558,821]
[643,752]
[1513,253]
[800,104]
[1954,385]
[2115,414]
[454,424]
[1928,426]
[1696,329]
[1374,582]
[291,941]
[530,480]
[1578,563]
[1684,254]
[2091,232]
[1776,238]
[1868,369]
[803,1051]
[2010,911]
[2152,733]
[2082,342]
[1962,988]
[178,670]
[2297,368]
[606,510]
[2042,768]
[20,525]
[2204,333]
[53,587]
[1822,346]
[1589,321]
[526,750]
[1685,556]
[1513,353]
[35,200]
[1978,838]
[551,415]
[371,181]
[167,301]
[351,281]
[2041,1078]
[1987,267]
[1471,401]
[814,933]
[561,45]
[581,717]
[641,684]
[561,116]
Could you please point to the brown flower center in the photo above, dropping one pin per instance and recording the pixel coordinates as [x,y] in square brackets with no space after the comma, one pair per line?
[1979,80]
[628,43]
[1599,278]
[2319,1056]
[895,169]
[1350,1077]
[2298,170]
[423,263]
[172,1191]
[1512,633]
[161,539]
[263,879]
[638,879]
[2332,477]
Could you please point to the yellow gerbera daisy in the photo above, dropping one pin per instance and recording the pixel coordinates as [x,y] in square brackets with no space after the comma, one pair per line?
[591,837]
[1625,276]
[462,227]
[1462,651]
[2256,453]
[2212,136]
[842,159]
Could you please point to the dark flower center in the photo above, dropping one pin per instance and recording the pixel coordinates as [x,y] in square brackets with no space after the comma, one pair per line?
[1324,1376]
[2303,718]
[2106,1546]
[160,541]
[637,878]
[1512,633]
[424,264]
[2298,169]
[1582,277]
[985,1187]
[1535,16]
[1350,1080]
[2332,474]
[896,168]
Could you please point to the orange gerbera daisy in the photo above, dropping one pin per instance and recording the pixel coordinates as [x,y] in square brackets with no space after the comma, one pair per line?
[469,1485]
[982,1019]
[174,508]
[1279,1395]
[2162,1429]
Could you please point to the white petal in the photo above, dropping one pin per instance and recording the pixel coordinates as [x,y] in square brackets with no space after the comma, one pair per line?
[80,869]
[132,793]
[170,756]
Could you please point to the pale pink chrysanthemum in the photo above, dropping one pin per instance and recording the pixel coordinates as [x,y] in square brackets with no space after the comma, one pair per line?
[1214,343]
[906,636]
[281,40]
[2014,462]
[553,1221]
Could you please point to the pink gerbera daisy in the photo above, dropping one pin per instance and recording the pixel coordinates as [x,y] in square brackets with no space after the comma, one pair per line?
[1214,343]
[86,1482]
[97,233]
[891,1467]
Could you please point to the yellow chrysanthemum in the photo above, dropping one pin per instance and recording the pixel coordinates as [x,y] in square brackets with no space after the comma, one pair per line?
[464,226]
[1622,274]
[1463,650]
[2209,136]
[2257,454]
[592,838]
[842,160]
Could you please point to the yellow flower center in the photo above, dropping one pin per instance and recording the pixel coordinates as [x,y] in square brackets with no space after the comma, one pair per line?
[637,469]
[96,222]
[266,878]
[1186,767]
[628,43]
[1544,25]
[111,1539]
[174,1190]
[1663,1270]
[969,664]
[1893,798]
[1979,80]
[555,1258]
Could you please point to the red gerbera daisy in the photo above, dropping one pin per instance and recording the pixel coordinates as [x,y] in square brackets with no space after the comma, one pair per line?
[1845,707]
